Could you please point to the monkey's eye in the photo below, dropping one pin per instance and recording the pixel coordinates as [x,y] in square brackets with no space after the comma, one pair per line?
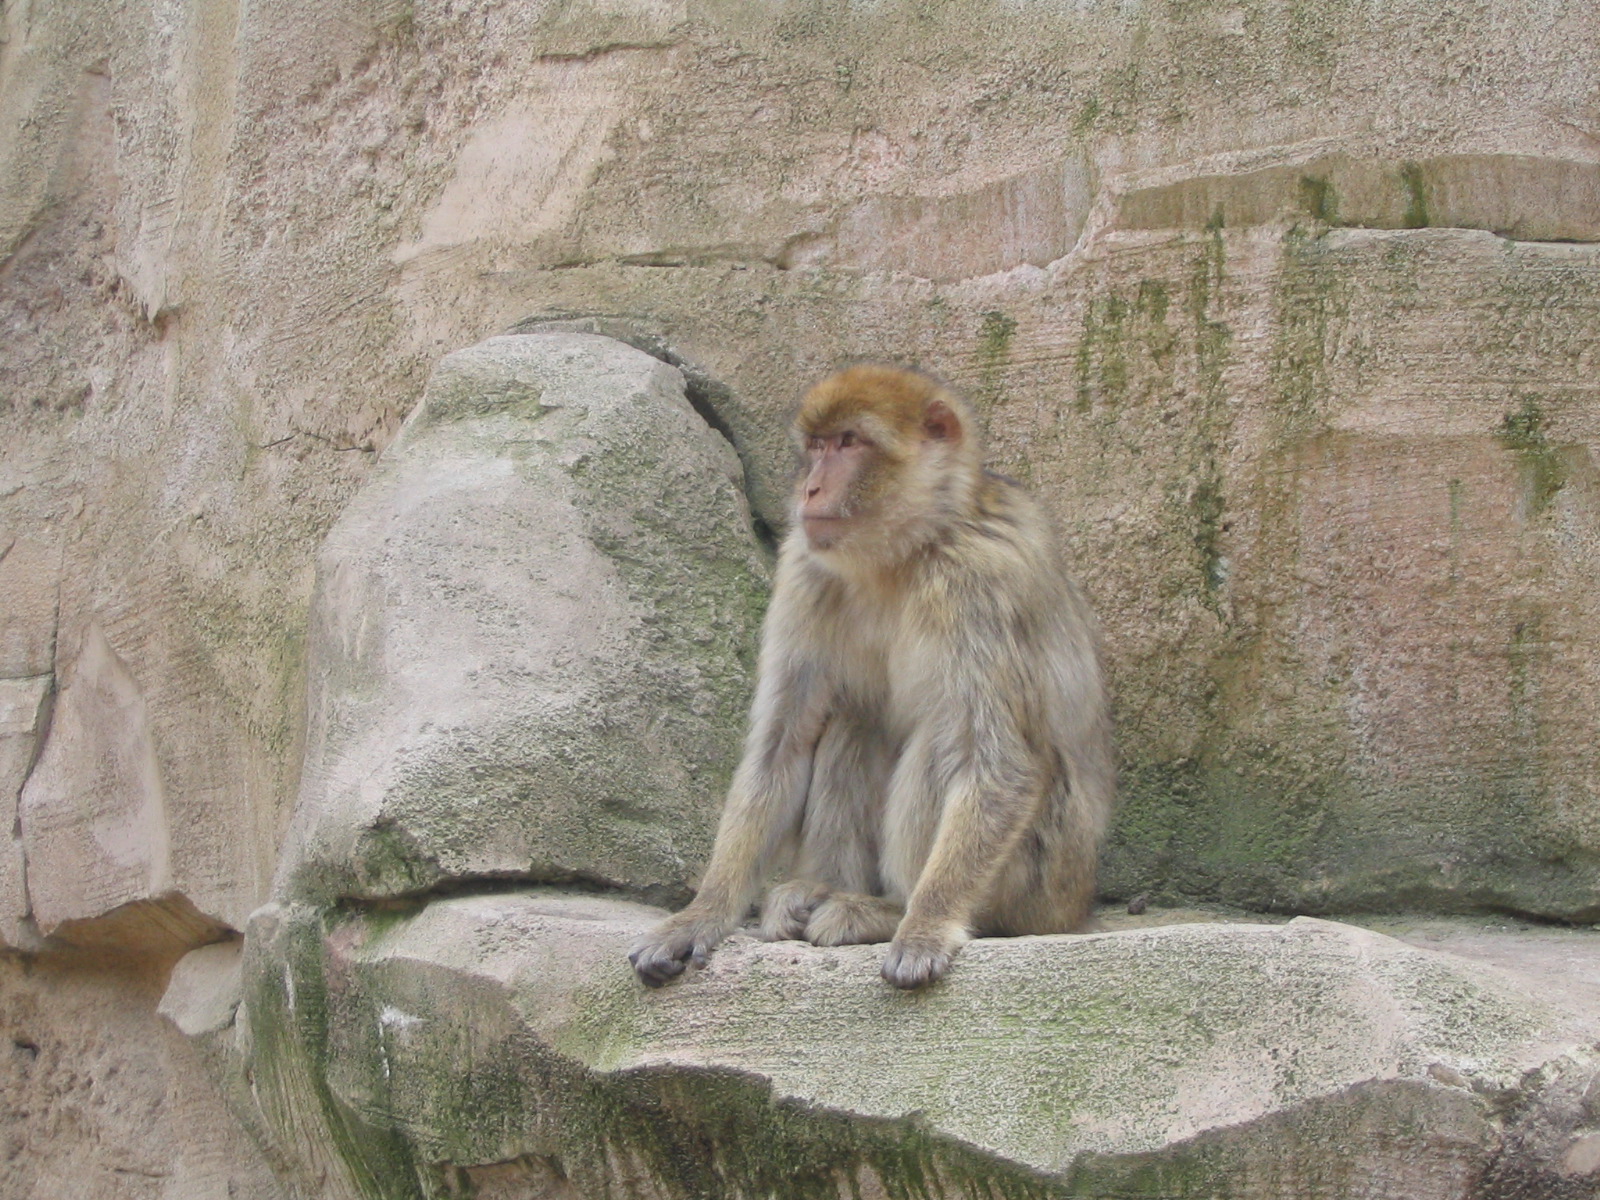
[814,444]
[848,438]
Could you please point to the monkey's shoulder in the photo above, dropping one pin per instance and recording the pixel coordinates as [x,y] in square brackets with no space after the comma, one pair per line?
[1006,554]
[1001,499]
[1005,531]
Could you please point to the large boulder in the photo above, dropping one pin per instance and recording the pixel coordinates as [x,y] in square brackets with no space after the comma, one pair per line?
[532,637]
[502,1043]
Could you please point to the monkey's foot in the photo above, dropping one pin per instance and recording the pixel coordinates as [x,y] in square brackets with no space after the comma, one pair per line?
[850,918]
[788,909]
[678,941]
[918,958]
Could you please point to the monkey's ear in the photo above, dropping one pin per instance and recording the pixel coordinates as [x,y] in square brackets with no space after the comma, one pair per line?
[941,423]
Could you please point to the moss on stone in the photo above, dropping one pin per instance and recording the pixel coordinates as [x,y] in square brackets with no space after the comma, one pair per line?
[1319,199]
[1318,1149]
[333,1055]
[1250,831]
[1543,474]
[1415,183]
[288,1003]
[1311,307]
[995,334]
[701,1091]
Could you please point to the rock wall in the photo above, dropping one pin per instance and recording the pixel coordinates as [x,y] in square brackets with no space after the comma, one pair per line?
[1287,310]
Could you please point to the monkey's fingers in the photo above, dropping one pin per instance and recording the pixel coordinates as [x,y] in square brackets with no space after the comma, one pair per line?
[655,964]
[664,953]
[914,964]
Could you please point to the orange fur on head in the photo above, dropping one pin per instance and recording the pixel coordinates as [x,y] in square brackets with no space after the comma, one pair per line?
[888,404]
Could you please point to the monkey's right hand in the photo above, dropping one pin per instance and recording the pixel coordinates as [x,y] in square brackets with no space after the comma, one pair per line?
[672,945]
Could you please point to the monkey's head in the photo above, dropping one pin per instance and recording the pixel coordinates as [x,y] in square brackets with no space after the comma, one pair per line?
[891,454]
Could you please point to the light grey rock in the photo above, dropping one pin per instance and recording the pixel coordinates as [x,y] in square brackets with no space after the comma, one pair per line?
[532,636]
[93,813]
[102,1099]
[23,709]
[29,582]
[1243,292]
[204,991]
[1313,1059]
[21,705]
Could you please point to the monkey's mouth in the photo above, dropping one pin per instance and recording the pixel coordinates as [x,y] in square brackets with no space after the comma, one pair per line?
[824,531]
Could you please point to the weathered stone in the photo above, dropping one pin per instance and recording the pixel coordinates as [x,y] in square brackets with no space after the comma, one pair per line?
[1031,219]
[1284,353]
[1516,196]
[1382,691]
[1023,201]
[30,574]
[101,1099]
[205,989]
[532,636]
[1229,1060]
[93,812]
[23,707]
[22,703]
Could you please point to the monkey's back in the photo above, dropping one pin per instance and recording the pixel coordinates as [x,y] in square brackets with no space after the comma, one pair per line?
[1046,643]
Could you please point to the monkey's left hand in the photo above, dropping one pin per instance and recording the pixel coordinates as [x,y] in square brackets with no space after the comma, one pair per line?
[917,958]
[678,941]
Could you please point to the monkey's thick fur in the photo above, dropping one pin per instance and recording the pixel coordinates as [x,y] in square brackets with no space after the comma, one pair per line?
[930,745]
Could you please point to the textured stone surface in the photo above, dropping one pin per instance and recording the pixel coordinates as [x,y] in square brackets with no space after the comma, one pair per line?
[533,634]
[1239,290]
[1254,294]
[94,813]
[29,575]
[24,708]
[100,1099]
[1300,1060]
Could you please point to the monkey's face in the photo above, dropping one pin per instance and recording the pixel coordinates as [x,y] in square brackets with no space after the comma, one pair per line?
[885,448]
[840,487]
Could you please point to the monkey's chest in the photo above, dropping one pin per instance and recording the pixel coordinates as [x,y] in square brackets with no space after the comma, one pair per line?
[888,676]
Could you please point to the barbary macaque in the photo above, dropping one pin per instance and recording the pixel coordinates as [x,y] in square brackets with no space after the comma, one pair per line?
[930,745]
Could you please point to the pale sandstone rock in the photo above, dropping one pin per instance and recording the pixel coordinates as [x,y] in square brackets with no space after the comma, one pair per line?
[30,574]
[1304,1060]
[1333,492]
[24,704]
[203,993]
[93,813]
[101,1099]
[1018,200]
[533,634]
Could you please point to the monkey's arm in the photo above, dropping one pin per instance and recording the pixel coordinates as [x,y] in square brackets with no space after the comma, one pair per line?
[990,798]
[764,802]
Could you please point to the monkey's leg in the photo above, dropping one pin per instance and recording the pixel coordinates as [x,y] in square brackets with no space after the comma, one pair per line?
[764,806]
[787,909]
[850,918]
[984,807]
[838,834]
[1047,883]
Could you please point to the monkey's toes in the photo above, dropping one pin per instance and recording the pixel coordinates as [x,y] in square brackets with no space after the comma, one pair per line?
[787,926]
[913,966]
[787,910]
[679,942]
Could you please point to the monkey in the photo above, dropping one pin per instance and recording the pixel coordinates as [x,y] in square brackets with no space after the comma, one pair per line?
[929,747]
